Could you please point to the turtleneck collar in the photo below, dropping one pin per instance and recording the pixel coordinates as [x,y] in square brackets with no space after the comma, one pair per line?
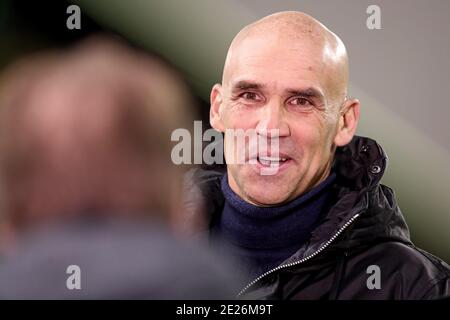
[289,225]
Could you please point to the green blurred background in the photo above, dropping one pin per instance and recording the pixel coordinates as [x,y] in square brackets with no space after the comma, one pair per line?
[401,73]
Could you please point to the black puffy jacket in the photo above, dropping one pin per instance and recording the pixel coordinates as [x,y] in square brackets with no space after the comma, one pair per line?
[360,250]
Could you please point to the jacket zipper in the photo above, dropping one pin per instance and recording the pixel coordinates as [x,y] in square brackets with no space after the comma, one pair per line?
[312,255]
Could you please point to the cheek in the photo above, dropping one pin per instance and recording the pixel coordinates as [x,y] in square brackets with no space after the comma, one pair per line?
[232,119]
[313,136]
[236,116]
[306,132]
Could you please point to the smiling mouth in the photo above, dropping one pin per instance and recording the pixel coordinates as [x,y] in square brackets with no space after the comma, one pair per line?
[272,161]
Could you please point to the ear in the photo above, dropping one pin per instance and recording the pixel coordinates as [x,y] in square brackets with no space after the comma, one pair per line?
[348,122]
[216,104]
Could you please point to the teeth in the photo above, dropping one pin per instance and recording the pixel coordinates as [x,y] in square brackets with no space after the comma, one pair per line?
[268,160]
[264,162]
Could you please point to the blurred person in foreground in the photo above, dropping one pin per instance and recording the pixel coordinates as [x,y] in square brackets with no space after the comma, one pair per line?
[322,226]
[86,179]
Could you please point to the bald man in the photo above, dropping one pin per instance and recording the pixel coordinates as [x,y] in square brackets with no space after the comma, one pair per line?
[321,226]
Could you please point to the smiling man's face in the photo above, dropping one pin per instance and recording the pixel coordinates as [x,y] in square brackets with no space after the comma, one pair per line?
[289,82]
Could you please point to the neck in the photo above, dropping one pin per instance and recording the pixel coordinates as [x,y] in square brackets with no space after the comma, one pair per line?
[301,212]
[263,237]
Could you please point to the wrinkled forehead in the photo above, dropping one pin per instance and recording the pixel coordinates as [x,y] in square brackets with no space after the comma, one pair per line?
[285,61]
[271,54]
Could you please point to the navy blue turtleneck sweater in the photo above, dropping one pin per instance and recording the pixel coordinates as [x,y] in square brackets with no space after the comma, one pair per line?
[261,238]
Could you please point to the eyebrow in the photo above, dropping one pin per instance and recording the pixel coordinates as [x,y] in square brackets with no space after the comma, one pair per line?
[310,92]
[245,85]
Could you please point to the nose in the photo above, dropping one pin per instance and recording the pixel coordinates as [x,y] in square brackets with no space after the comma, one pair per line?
[272,121]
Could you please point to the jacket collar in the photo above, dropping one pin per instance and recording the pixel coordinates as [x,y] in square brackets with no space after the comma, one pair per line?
[359,167]
[360,164]
[365,211]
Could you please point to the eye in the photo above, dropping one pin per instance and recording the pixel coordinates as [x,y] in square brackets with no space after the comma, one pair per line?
[252,96]
[300,101]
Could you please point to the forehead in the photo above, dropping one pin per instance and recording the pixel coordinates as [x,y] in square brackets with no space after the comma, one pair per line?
[276,62]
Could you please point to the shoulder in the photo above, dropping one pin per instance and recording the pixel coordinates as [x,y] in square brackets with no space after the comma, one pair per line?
[204,182]
[200,175]
[203,199]
[410,271]
[38,268]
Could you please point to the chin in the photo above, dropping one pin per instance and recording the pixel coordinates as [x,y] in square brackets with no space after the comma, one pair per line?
[264,196]
[264,190]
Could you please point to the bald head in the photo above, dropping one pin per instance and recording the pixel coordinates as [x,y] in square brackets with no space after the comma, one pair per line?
[291,31]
